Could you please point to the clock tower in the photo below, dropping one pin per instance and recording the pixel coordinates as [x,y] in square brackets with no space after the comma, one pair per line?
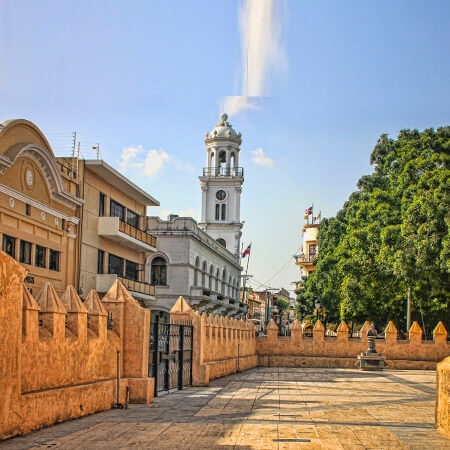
[221,185]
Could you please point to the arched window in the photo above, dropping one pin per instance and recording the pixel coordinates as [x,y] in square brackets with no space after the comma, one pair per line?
[217,211]
[222,242]
[223,211]
[233,164]
[204,274]
[159,272]
[211,276]
[224,281]
[217,280]
[229,286]
[197,264]
[222,160]
[212,162]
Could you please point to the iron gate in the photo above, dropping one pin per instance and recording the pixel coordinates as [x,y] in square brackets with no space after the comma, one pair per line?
[170,355]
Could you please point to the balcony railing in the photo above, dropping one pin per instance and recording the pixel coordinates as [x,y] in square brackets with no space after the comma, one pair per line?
[223,171]
[137,286]
[305,258]
[137,234]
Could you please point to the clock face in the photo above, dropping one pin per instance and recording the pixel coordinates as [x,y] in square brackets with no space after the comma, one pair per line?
[220,195]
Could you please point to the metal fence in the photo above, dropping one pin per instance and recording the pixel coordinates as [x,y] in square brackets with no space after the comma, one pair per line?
[170,355]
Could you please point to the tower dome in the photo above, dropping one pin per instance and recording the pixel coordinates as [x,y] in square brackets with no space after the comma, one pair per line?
[223,130]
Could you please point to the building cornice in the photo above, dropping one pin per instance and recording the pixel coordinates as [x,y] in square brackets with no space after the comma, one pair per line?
[216,248]
[36,204]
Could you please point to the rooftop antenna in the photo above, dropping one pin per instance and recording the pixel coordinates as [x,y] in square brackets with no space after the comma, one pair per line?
[74,146]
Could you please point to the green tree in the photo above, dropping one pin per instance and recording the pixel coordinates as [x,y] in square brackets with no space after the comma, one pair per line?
[390,235]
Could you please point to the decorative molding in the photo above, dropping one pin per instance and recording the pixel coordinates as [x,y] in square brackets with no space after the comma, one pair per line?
[45,160]
[32,202]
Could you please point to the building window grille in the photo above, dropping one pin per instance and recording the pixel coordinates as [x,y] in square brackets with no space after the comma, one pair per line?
[9,245]
[27,209]
[53,260]
[131,270]
[109,321]
[115,265]
[159,272]
[101,204]
[217,212]
[117,210]
[312,251]
[224,210]
[40,256]
[222,242]
[132,219]
[100,261]
[25,252]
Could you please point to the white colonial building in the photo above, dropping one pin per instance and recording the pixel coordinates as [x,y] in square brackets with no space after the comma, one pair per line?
[191,263]
[201,261]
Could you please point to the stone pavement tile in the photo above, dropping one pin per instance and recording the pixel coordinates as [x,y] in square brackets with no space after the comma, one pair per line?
[330,444]
[274,408]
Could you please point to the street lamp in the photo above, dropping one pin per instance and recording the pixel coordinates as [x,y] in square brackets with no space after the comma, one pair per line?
[318,308]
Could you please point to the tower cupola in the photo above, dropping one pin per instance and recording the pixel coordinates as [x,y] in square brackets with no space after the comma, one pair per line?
[223,147]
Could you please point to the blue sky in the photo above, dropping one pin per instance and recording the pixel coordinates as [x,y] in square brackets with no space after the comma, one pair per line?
[154,76]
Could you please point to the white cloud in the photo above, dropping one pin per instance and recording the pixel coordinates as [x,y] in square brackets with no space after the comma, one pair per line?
[262,52]
[235,103]
[128,155]
[261,159]
[153,161]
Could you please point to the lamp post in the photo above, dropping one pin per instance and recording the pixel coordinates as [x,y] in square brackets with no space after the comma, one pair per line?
[318,309]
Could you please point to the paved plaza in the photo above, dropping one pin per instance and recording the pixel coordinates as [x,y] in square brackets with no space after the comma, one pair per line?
[268,408]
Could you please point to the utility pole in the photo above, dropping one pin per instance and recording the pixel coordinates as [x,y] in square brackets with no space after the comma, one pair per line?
[408,312]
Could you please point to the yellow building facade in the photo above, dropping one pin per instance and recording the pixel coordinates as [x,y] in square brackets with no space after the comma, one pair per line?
[305,260]
[69,221]
[40,207]
[114,243]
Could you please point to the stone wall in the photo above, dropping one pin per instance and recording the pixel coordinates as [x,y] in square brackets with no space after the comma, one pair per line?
[443,396]
[59,355]
[320,351]
[222,346]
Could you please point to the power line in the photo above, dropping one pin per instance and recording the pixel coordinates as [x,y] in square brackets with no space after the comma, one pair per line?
[284,266]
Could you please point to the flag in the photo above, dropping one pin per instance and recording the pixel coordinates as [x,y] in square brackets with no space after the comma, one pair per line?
[309,211]
[318,217]
[246,251]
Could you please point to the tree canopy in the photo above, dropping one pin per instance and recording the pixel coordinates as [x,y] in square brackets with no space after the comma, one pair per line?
[391,234]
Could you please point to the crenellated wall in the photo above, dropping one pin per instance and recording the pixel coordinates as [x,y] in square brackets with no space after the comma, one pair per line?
[443,396]
[59,355]
[222,346]
[320,351]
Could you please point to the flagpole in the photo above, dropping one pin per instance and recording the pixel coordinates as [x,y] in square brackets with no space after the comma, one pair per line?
[246,273]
